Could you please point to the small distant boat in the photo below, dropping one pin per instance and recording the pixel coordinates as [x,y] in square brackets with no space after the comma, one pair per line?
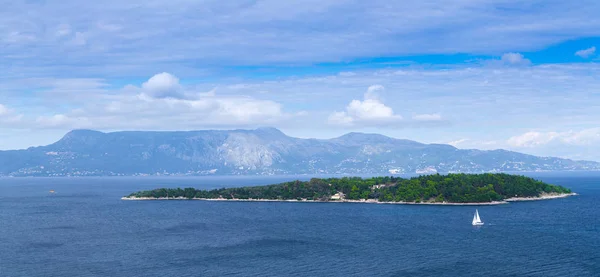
[476,220]
[51,191]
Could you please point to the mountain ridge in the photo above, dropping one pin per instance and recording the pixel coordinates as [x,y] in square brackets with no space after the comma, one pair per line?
[261,151]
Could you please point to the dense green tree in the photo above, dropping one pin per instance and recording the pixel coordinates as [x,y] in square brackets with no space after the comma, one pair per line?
[457,188]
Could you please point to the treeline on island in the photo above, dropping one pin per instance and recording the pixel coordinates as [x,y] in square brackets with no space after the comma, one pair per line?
[453,188]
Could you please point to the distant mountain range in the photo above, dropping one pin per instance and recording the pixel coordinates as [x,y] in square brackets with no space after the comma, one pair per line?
[264,151]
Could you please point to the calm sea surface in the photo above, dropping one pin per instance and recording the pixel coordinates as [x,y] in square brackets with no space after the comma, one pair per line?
[84,229]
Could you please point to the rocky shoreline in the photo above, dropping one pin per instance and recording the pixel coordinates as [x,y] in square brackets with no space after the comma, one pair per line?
[370,201]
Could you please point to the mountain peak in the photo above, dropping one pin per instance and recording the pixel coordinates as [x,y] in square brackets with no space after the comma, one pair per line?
[271,131]
[79,137]
[268,129]
[358,135]
[83,132]
[369,138]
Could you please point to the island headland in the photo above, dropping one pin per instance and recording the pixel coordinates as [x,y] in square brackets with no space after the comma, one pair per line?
[436,189]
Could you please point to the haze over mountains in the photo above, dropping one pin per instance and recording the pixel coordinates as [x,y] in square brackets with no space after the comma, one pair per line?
[263,151]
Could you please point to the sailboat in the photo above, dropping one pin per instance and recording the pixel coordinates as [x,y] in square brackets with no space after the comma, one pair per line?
[476,220]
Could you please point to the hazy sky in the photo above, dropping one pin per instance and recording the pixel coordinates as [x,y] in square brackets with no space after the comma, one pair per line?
[475,74]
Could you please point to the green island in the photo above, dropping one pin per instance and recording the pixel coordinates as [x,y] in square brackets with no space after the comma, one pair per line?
[425,189]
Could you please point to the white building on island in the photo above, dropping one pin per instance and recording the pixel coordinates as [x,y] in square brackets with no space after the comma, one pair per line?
[338,196]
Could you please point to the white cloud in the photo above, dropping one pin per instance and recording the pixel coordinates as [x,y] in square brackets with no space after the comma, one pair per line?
[577,145]
[368,111]
[582,137]
[537,139]
[3,110]
[63,30]
[172,114]
[79,39]
[455,143]
[340,118]
[8,116]
[586,53]
[108,27]
[427,117]
[515,59]
[163,85]
[375,89]
[532,139]
[17,37]
[373,92]
[489,142]
[63,121]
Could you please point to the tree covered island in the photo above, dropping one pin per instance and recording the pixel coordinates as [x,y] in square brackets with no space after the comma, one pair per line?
[451,188]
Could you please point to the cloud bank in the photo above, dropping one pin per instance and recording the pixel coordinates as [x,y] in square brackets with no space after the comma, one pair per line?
[162,103]
[117,38]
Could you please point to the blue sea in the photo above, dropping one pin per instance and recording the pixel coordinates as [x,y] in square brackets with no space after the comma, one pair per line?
[84,229]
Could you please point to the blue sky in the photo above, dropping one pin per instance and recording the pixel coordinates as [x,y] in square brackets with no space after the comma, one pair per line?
[475,74]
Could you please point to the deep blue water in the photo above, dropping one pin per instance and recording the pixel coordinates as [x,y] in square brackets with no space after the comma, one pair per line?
[84,229]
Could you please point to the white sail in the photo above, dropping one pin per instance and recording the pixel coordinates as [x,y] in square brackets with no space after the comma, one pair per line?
[476,219]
